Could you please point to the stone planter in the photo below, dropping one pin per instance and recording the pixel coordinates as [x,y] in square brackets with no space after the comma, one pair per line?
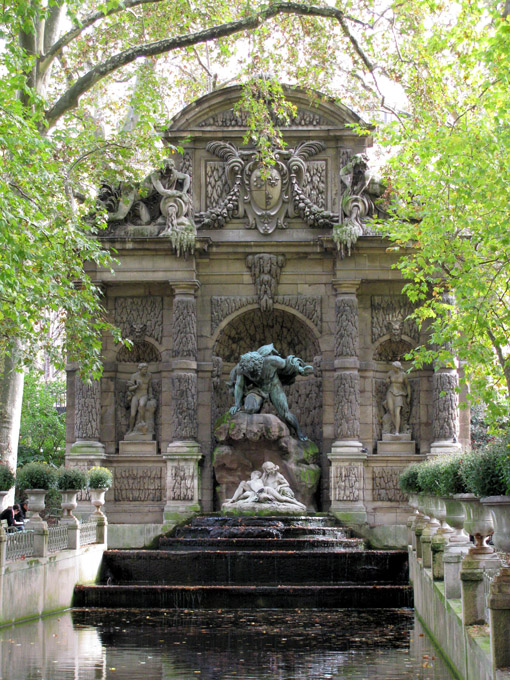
[478,523]
[455,517]
[69,504]
[36,505]
[97,500]
[499,507]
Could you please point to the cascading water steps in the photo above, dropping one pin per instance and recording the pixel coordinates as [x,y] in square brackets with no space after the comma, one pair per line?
[252,562]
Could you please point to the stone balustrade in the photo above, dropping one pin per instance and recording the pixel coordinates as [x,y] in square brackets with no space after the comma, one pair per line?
[462,586]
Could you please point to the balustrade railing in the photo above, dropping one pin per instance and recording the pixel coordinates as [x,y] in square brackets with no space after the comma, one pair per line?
[57,538]
[88,533]
[19,545]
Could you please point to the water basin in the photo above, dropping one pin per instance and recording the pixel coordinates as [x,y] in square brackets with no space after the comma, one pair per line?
[143,644]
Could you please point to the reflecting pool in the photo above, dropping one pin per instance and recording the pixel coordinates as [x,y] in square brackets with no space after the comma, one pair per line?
[225,645]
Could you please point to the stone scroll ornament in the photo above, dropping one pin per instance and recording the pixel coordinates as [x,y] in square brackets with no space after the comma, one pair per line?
[159,206]
[266,196]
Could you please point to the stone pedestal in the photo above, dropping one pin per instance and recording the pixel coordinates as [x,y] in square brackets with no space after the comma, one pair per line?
[182,478]
[138,448]
[472,586]
[347,482]
[499,615]
[88,449]
[396,445]
[452,562]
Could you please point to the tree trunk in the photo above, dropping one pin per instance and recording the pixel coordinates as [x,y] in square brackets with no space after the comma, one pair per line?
[11,397]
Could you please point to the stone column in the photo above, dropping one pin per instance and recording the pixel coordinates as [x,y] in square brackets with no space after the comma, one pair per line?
[445,422]
[183,453]
[87,417]
[346,457]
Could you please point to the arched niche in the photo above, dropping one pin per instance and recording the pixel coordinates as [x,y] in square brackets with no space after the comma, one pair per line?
[252,329]
[127,364]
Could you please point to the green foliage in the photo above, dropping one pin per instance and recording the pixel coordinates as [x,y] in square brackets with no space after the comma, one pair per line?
[428,478]
[42,431]
[100,478]
[409,479]
[447,471]
[71,478]
[7,479]
[481,471]
[36,475]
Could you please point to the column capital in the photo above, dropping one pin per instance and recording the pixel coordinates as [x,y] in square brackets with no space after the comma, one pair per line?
[185,288]
[343,287]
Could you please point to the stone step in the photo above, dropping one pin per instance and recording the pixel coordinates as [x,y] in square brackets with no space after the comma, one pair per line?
[276,567]
[281,544]
[260,532]
[212,520]
[243,597]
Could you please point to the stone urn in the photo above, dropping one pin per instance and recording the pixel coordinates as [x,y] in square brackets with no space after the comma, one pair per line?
[455,517]
[478,523]
[36,505]
[499,507]
[97,500]
[69,504]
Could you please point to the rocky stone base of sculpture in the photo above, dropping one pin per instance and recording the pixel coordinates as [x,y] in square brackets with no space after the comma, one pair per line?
[396,445]
[261,509]
[247,441]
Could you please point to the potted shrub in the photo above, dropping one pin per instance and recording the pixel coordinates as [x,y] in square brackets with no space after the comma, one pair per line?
[36,479]
[479,470]
[7,480]
[70,481]
[496,492]
[100,480]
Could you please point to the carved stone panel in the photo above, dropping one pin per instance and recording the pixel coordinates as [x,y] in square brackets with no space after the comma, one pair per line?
[346,483]
[265,272]
[181,485]
[138,484]
[184,328]
[446,405]
[392,350]
[305,401]
[232,119]
[385,484]
[389,316]
[314,185]
[346,331]
[140,315]
[347,405]
[183,412]
[216,184]
[87,421]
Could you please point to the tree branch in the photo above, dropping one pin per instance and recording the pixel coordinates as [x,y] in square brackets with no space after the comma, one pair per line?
[70,98]
[46,59]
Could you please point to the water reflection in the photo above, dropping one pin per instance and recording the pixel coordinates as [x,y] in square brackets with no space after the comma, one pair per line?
[229,645]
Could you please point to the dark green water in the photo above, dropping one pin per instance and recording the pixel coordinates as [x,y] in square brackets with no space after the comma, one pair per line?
[228,645]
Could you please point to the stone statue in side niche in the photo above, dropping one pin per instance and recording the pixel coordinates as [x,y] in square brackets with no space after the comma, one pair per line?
[142,404]
[267,487]
[398,399]
[260,375]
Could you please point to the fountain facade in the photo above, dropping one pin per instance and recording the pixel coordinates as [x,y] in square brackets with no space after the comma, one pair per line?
[217,258]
